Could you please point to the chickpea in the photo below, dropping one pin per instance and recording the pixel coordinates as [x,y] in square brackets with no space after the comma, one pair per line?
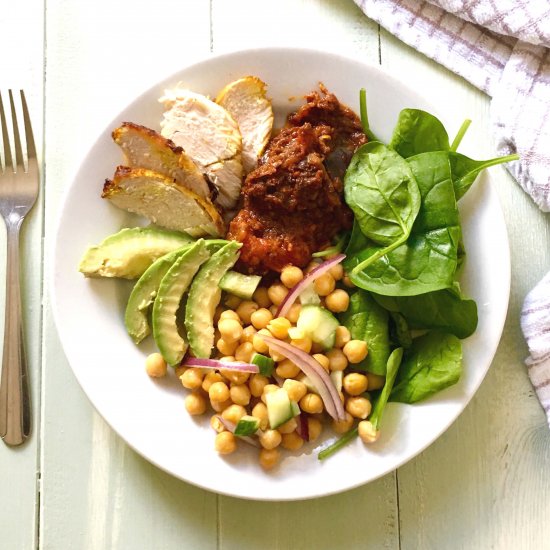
[248,334]
[258,343]
[337,359]
[317,348]
[355,383]
[244,352]
[225,347]
[179,370]
[288,427]
[261,318]
[311,403]
[323,360]
[337,301]
[229,314]
[295,389]
[234,376]
[234,413]
[261,298]
[245,310]
[268,388]
[220,406]
[155,365]
[257,384]
[232,301]
[355,350]
[210,379]
[259,411]
[269,458]
[304,343]
[291,276]
[279,327]
[195,403]
[348,282]
[230,330]
[292,441]
[270,439]
[192,378]
[343,426]
[225,443]
[218,391]
[294,313]
[276,356]
[324,284]
[314,428]
[312,265]
[240,394]
[216,424]
[376,381]
[274,310]
[343,336]
[367,432]
[337,271]
[287,369]
[358,407]
[277,293]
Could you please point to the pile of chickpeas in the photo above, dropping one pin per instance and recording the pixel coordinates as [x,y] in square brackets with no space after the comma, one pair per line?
[231,394]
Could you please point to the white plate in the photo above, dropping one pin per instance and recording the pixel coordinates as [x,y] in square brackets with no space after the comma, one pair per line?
[150,415]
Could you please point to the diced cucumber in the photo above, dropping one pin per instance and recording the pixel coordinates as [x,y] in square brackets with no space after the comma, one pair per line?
[319,324]
[308,383]
[265,364]
[279,408]
[239,284]
[309,296]
[295,408]
[247,425]
[337,377]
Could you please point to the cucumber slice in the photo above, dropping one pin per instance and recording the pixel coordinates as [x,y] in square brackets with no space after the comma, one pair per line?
[247,425]
[319,324]
[279,408]
[337,377]
[265,364]
[309,296]
[295,408]
[239,284]
[173,286]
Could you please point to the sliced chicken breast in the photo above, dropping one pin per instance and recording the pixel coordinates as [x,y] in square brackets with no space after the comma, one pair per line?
[210,136]
[245,100]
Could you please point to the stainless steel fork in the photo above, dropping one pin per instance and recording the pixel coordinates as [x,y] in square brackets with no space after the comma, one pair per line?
[19,187]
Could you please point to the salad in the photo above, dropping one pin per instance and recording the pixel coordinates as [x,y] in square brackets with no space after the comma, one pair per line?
[335,289]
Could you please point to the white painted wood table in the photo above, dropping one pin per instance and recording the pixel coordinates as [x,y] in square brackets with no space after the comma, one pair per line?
[75,484]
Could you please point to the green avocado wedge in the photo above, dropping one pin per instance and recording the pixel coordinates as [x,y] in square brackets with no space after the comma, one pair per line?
[145,290]
[204,296]
[128,253]
[172,345]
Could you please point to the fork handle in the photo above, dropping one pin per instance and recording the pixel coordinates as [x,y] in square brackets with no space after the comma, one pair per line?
[15,402]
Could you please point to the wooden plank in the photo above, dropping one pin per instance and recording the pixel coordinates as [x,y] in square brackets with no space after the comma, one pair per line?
[333,520]
[98,493]
[483,484]
[21,41]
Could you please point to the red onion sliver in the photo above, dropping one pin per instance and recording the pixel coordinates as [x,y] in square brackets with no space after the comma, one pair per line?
[302,427]
[296,290]
[215,364]
[315,372]
[230,427]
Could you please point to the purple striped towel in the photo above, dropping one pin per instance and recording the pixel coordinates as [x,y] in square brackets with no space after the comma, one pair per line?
[503,48]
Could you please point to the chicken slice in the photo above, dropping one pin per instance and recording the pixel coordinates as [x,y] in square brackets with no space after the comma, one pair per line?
[146,148]
[245,100]
[163,201]
[210,136]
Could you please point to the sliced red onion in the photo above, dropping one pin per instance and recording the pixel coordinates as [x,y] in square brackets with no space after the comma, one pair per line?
[295,291]
[216,364]
[230,427]
[302,427]
[315,372]
[280,381]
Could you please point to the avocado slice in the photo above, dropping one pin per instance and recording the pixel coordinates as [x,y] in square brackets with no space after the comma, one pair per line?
[173,286]
[128,253]
[145,290]
[204,296]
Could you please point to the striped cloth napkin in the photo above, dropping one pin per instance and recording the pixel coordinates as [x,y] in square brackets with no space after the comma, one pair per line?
[503,48]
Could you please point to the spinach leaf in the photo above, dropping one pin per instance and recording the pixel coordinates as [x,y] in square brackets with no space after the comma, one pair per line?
[443,309]
[335,248]
[399,330]
[364,115]
[460,134]
[417,132]
[428,259]
[394,361]
[367,321]
[433,363]
[465,170]
[381,190]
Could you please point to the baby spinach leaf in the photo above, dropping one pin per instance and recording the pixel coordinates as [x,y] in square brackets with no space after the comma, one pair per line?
[367,321]
[465,170]
[364,115]
[433,363]
[460,134]
[399,330]
[394,361]
[417,132]
[381,190]
[443,309]
[427,261]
